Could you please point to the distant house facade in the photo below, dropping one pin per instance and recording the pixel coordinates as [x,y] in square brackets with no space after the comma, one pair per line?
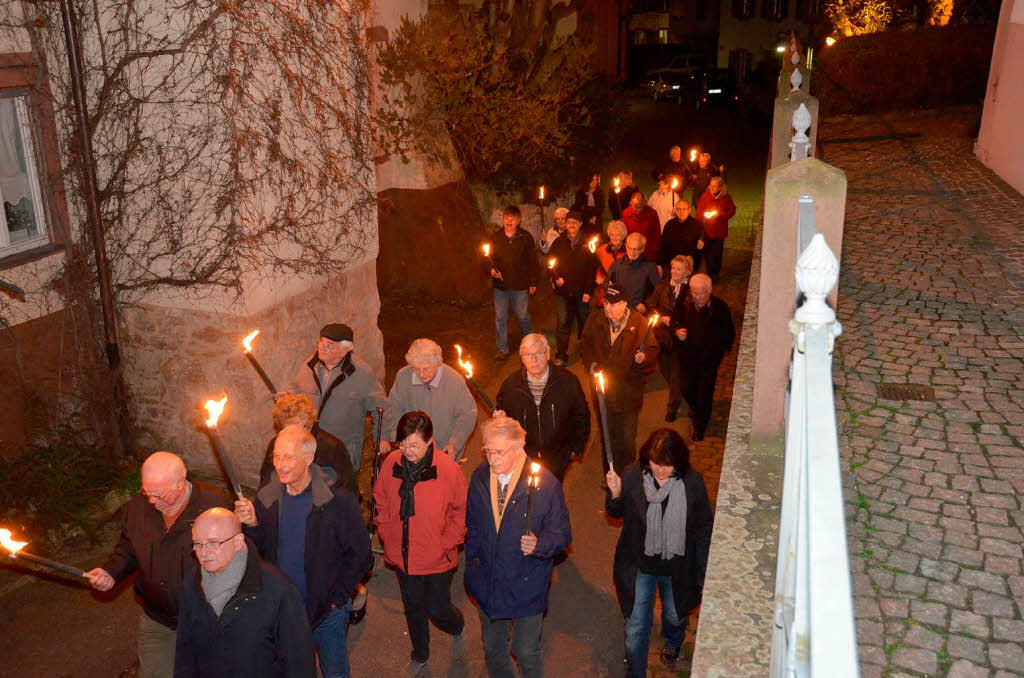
[661,29]
[1001,138]
[750,31]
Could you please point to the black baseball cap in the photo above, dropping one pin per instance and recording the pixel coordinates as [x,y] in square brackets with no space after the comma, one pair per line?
[613,294]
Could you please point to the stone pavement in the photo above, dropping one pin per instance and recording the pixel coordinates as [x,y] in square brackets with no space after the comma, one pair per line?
[930,293]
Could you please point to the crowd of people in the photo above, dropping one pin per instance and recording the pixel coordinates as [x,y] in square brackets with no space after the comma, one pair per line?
[277,578]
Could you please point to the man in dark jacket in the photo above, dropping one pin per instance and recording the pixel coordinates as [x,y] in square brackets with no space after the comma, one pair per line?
[611,344]
[315,534]
[702,175]
[682,236]
[514,532]
[547,401]
[156,540]
[573,270]
[512,266]
[634,274]
[240,617]
[704,333]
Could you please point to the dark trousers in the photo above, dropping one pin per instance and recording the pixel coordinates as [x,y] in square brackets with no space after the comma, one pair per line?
[713,251]
[567,310]
[525,645]
[622,439]
[672,371]
[428,596]
[698,384]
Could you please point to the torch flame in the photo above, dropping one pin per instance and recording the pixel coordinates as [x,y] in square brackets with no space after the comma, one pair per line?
[551,262]
[464,364]
[8,543]
[654,320]
[675,183]
[592,245]
[214,408]
[541,192]
[693,154]
[247,342]
[600,381]
[708,215]
[487,249]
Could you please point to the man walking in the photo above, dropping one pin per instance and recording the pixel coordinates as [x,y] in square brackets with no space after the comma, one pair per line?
[548,402]
[342,387]
[634,274]
[156,541]
[703,328]
[611,343]
[513,270]
[715,209]
[682,237]
[240,617]
[574,278]
[513,534]
[313,532]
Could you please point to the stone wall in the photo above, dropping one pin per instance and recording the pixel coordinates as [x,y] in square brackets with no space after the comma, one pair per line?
[176,359]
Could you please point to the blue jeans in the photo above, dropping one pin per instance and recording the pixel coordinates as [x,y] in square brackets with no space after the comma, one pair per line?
[330,638]
[518,300]
[638,624]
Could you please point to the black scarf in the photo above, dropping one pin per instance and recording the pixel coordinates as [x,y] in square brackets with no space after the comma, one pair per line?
[412,473]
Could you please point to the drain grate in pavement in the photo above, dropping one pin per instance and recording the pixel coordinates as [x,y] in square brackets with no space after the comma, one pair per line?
[905,392]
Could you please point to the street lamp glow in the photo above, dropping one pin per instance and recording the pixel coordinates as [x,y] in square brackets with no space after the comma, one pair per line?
[780,49]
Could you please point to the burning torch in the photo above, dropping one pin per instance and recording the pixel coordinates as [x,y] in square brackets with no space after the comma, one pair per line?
[693,155]
[15,552]
[467,367]
[553,268]
[532,484]
[247,350]
[602,414]
[615,184]
[651,323]
[214,408]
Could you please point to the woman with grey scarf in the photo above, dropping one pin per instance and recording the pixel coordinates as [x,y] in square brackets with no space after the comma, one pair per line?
[666,535]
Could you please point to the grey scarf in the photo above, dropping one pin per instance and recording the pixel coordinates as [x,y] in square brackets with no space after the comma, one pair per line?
[218,588]
[666,534]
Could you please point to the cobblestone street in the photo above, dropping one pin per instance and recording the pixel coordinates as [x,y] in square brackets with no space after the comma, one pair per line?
[930,294]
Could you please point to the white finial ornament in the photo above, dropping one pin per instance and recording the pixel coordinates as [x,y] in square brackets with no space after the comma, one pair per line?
[801,143]
[817,272]
[795,80]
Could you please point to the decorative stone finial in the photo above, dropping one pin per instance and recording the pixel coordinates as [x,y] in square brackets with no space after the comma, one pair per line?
[801,143]
[795,80]
[817,272]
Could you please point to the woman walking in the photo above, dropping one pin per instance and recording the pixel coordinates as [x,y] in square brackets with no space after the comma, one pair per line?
[666,534]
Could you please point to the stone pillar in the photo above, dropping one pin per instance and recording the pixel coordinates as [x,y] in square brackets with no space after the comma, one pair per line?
[793,59]
[782,126]
[784,186]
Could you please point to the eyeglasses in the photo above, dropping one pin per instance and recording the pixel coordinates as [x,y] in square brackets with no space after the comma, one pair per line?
[327,345]
[535,356]
[411,445]
[212,545]
[490,452]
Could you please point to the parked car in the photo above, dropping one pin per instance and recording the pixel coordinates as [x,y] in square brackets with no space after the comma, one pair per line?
[672,86]
[716,88]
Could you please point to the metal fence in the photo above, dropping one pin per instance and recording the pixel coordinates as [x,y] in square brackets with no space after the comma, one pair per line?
[814,624]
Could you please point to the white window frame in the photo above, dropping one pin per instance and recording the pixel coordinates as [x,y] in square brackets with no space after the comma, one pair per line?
[28,144]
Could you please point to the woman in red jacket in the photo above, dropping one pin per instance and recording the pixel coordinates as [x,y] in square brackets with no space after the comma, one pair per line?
[421,519]
[714,211]
[641,218]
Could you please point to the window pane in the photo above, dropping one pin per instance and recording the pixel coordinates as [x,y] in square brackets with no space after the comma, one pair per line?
[19,186]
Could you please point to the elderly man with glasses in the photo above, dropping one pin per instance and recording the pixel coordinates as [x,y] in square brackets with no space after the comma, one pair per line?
[548,402]
[239,615]
[341,409]
[514,532]
[428,385]
[155,541]
[313,531]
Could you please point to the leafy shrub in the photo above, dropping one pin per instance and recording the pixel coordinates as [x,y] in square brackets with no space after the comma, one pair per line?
[904,69]
[52,487]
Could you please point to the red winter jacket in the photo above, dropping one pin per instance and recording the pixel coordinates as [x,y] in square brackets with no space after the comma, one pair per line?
[718,226]
[439,523]
[647,224]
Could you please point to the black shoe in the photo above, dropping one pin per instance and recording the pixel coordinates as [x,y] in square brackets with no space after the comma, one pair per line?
[669,657]
[670,416]
[356,616]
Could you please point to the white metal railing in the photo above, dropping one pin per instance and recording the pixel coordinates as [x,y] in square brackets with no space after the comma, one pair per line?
[814,625]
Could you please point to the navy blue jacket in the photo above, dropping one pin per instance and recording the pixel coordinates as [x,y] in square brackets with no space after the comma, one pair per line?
[337,543]
[507,584]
